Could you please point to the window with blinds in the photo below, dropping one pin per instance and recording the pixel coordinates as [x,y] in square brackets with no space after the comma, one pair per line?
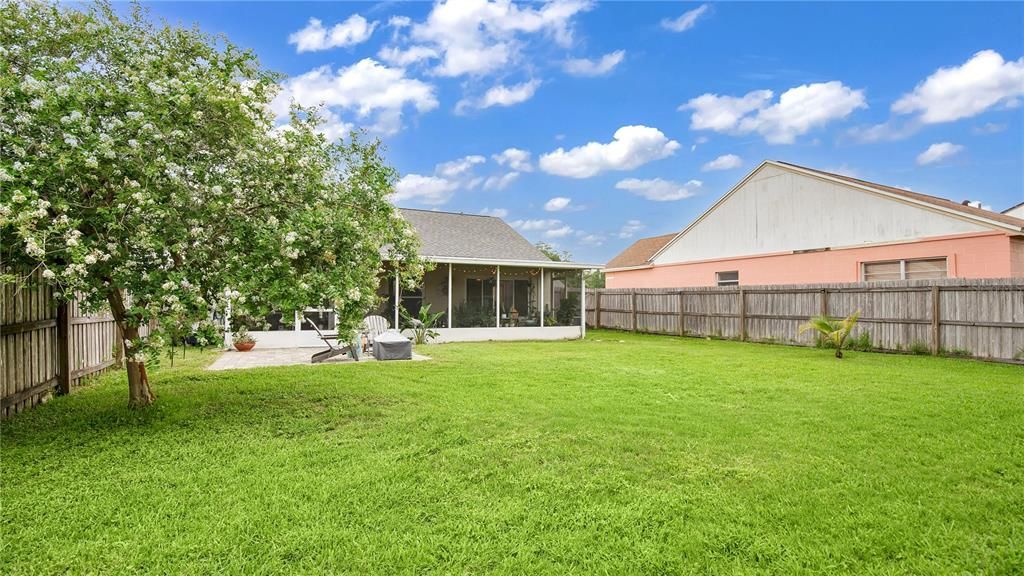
[922,269]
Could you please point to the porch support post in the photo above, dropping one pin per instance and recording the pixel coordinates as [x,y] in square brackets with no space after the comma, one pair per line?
[398,298]
[450,288]
[583,305]
[542,290]
[299,318]
[497,299]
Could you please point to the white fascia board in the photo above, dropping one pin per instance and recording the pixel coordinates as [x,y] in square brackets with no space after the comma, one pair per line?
[522,263]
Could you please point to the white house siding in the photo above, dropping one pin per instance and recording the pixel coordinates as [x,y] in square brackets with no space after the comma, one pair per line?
[1016,212]
[778,210]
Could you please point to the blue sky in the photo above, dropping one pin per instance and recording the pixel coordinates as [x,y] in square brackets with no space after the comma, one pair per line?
[475,100]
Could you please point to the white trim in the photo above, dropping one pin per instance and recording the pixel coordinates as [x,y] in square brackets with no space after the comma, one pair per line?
[628,268]
[497,298]
[449,314]
[542,290]
[583,305]
[398,298]
[517,333]
[516,263]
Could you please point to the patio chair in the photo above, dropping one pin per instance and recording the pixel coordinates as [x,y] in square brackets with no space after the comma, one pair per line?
[332,349]
[374,326]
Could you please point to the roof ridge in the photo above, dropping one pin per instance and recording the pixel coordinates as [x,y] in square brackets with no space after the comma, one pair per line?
[431,211]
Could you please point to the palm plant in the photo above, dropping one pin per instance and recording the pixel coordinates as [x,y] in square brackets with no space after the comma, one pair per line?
[832,330]
[423,326]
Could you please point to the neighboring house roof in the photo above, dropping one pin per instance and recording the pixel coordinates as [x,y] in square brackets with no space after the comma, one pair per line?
[934,200]
[644,251]
[453,236]
[1015,210]
[639,253]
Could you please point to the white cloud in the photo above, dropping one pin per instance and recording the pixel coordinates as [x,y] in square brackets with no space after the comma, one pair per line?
[448,178]
[376,93]
[990,128]
[723,113]
[500,182]
[514,158]
[500,95]
[458,168]
[889,130]
[938,152]
[314,36]
[333,127]
[660,190]
[686,21]
[600,67]
[797,111]
[399,21]
[632,146]
[430,190]
[557,204]
[630,228]
[399,57]
[478,37]
[496,212]
[551,227]
[725,162]
[587,239]
[843,169]
[560,232]
[949,94]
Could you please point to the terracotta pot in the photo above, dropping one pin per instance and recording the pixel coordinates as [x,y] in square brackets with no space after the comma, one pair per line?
[244,346]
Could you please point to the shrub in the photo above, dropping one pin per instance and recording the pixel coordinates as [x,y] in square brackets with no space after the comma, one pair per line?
[920,348]
[423,326]
[833,331]
[862,342]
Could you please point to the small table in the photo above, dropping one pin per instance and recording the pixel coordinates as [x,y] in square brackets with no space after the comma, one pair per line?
[392,346]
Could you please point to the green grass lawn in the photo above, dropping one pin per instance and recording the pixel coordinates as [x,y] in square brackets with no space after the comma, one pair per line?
[618,454]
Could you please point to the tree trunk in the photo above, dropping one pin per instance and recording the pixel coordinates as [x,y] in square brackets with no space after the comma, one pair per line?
[140,394]
[839,352]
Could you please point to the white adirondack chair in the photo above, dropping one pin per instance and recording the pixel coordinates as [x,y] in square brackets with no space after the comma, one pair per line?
[374,326]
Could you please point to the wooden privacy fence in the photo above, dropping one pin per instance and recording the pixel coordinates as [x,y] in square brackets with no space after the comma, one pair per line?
[48,347]
[983,318]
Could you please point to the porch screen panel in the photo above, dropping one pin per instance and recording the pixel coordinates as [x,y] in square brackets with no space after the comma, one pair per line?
[563,306]
[478,286]
[520,288]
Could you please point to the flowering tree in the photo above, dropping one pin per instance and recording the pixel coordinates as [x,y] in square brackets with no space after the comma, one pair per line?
[140,168]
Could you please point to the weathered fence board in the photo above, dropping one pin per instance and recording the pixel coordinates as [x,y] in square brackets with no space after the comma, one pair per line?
[46,347]
[983,318]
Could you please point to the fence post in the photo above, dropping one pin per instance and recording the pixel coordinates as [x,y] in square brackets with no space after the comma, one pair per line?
[63,348]
[682,312]
[597,308]
[824,302]
[936,330]
[743,314]
[632,311]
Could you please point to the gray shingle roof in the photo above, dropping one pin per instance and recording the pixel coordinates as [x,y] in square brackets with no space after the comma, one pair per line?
[453,235]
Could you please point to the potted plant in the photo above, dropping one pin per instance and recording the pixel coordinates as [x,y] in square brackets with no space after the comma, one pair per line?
[243,340]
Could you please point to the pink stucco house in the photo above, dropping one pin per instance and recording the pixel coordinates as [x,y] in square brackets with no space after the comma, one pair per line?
[787,224]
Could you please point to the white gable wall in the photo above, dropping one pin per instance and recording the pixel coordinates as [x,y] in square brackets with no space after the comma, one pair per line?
[778,210]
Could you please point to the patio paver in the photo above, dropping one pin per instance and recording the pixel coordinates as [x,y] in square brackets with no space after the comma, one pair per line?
[263,357]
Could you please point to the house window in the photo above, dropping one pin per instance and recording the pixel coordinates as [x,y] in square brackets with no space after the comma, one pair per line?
[904,270]
[731,278]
